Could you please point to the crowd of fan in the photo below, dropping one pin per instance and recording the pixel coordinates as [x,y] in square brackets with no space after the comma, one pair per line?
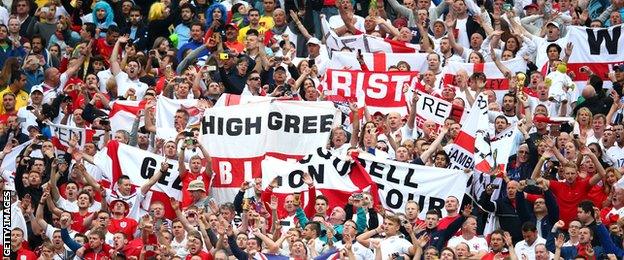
[65,62]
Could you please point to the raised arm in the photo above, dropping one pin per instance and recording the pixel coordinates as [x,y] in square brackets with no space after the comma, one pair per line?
[164,167]
[115,67]
[356,124]
[434,146]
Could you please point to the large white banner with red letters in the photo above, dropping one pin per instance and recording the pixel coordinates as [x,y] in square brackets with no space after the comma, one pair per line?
[379,61]
[495,78]
[379,91]
[62,135]
[238,138]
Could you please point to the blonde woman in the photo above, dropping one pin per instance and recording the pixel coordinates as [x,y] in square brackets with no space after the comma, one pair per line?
[583,124]
[159,21]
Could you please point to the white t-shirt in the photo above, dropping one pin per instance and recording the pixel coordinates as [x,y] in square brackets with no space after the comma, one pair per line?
[394,244]
[476,243]
[360,251]
[124,83]
[526,251]
[617,155]
[134,201]
[72,206]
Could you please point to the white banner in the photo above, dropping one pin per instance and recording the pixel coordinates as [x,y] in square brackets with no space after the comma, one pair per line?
[379,61]
[238,138]
[598,48]
[461,152]
[495,78]
[62,134]
[436,109]
[124,113]
[166,111]
[366,43]
[400,182]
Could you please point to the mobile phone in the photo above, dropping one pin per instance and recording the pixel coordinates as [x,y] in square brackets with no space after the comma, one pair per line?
[179,80]
[152,52]
[149,247]
[21,120]
[284,223]
[60,160]
[495,186]
[188,134]
[278,58]
[41,137]
[30,107]
[506,7]
[224,56]
[311,63]
[358,196]
[45,9]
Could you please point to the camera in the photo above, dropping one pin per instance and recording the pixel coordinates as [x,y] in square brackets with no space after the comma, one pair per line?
[60,160]
[104,121]
[190,141]
[40,137]
[224,56]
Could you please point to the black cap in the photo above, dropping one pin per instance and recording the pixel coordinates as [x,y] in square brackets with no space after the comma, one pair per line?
[281,68]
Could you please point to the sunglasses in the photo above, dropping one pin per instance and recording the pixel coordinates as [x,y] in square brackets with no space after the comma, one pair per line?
[254,78]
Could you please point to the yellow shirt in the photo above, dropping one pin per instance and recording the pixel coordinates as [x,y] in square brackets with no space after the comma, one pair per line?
[242,33]
[21,99]
[267,22]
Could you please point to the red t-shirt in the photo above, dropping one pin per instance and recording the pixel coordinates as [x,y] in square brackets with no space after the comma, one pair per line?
[446,221]
[125,225]
[78,219]
[204,255]
[569,196]
[188,178]
[490,255]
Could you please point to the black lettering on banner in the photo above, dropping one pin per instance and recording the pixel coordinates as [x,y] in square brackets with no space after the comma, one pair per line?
[408,179]
[317,175]
[207,125]
[177,183]
[325,154]
[275,120]
[435,203]
[234,126]
[394,199]
[390,177]
[611,41]
[326,123]
[309,124]
[482,102]
[376,169]
[148,167]
[256,125]
[291,124]
[306,159]
[343,167]
[291,179]
[439,109]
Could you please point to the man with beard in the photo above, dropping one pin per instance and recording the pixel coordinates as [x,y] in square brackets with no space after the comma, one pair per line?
[127,82]
[137,29]
[231,35]
[183,30]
